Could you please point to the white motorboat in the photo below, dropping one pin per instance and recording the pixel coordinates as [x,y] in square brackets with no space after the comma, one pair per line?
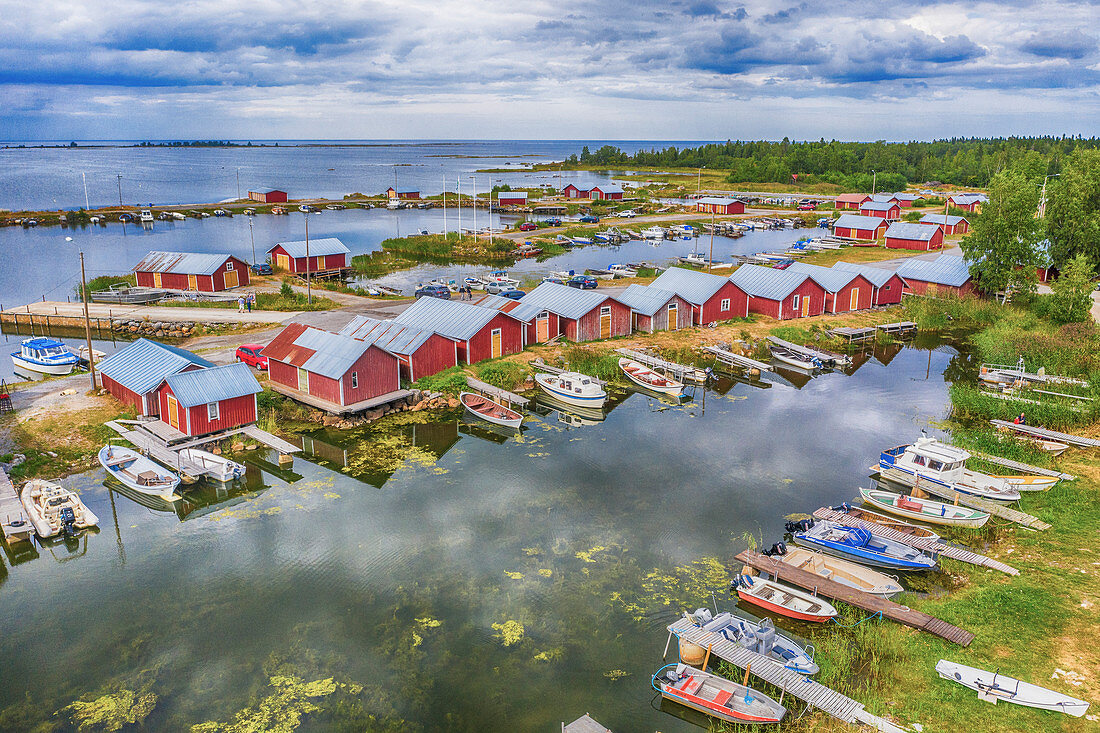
[572,388]
[53,509]
[645,377]
[146,216]
[500,276]
[138,472]
[653,232]
[218,467]
[45,356]
[993,686]
[178,216]
[931,462]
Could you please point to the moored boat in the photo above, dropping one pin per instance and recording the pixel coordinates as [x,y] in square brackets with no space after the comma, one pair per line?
[1029,483]
[572,388]
[792,358]
[859,544]
[882,520]
[45,356]
[486,409]
[138,472]
[994,686]
[218,467]
[761,638]
[930,461]
[643,376]
[783,599]
[925,510]
[836,569]
[716,696]
[53,509]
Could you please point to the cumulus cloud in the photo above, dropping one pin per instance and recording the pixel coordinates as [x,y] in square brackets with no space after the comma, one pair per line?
[1065,45]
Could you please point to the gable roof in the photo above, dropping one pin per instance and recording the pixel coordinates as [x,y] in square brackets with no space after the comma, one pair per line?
[878,276]
[832,280]
[267,190]
[878,205]
[903,196]
[392,337]
[968,198]
[143,365]
[693,286]
[645,299]
[884,197]
[909,230]
[184,263]
[716,200]
[449,318]
[202,386]
[851,198]
[321,352]
[942,219]
[855,221]
[511,195]
[560,299]
[317,247]
[944,270]
[607,187]
[767,282]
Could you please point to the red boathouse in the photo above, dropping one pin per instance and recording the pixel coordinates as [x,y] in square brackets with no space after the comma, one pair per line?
[205,401]
[206,273]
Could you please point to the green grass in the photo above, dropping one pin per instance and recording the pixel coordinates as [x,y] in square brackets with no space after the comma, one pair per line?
[449,381]
[264,302]
[503,374]
[105,281]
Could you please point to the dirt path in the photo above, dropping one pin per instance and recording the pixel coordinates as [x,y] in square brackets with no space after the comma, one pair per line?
[154,313]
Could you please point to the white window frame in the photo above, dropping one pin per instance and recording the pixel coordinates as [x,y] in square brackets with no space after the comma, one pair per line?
[725,304]
[355,380]
[795,301]
[213,411]
[229,265]
[605,310]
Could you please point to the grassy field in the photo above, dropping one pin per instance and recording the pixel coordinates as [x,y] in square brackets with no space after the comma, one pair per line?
[264,302]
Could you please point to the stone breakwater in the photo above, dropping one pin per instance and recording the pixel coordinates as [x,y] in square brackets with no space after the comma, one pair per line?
[172,329]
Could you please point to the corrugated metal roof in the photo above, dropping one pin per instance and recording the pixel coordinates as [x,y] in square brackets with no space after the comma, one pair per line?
[850,198]
[404,189]
[393,337]
[828,278]
[969,198]
[511,195]
[183,263]
[317,247]
[884,197]
[607,187]
[333,353]
[449,318]
[268,190]
[645,299]
[143,365]
[941,219]
[694,287]
[877,205]
[855,221]
[878,276]
[909,230]
[767,282]
[944,270]
[717,201]
[202,386]
[561,299]
[902,196]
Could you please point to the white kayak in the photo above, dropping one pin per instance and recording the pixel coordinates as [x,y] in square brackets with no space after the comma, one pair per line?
[992,687]
[138,472]
[53,509]
[218,467]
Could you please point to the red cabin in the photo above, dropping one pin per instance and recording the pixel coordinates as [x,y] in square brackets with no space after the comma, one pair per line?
[905,235]
[206,273]
[715,205]
[945,274]
[403,193]
[850,201]
[949,224]
[606,191]
[844,291]
[271,196]
[512,198]
[479,333]
[573,191]
[713,298]
[781,294]
[206,401]
[888,285]
[854,226]
[552,310]
[888,210]
[421,353]
[324,255]
[968,201]
[653,309]
[133,374]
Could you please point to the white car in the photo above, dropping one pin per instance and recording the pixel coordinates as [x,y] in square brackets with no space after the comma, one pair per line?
[628,214]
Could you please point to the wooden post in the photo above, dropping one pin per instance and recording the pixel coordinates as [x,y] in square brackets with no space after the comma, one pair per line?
[87,323]
[706,658]
[748,668]
[667,643]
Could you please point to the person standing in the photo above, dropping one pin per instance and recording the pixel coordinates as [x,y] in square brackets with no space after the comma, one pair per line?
[240,304]
[248,301]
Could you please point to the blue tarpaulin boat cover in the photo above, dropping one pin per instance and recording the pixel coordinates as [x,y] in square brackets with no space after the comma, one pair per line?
[857,537]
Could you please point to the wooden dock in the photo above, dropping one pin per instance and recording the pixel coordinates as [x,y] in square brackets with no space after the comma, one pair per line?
[543,366]
[1022,467]
[16,524]
[852,335]
[813,693]
[974,502]
[738,361]
[826,357]
[1038,432]
[901,328]
[584,724]
[936,547]
[876,604]
[501,394]
[681,372]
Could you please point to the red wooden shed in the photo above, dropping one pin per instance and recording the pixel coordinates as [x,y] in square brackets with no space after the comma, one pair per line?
[205,401]
[552,310]
[716,205]
[606,191]
[421,353]
[133,373]
[844,291]
[888,210]
[949,224]
[906,235]
[403,193]
[207,273]
[573,191]
[781,294]
[479,333]
[850,201]
[854,226]
[270,196]
[654,309]
[512,198]
[713,298]
[945,274]
[888,284]
[325,255]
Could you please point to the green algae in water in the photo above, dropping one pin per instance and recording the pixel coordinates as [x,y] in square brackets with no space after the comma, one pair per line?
[282,710]
[112,711]
[510,632]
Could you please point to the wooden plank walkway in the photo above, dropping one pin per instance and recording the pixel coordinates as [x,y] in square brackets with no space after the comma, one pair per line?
[1038,432]
[512,399]
[584,724]
[1022,467]
[827,357]
[543,366]
[334,408]
[852,334]
[876,604]
[921,543]
[16,524]
[812,693]
[156,449]
[270,440]
[900,328]
[736,360]
[974,502]
[681,371]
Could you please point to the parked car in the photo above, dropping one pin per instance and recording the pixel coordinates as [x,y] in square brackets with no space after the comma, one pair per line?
[497,288]
[513,294]
[589,219]
[528,226]
[551,279]
[261,268]
[434,291]
[584,282]
[808,206]
[553,222]
[628,214]
[252,354]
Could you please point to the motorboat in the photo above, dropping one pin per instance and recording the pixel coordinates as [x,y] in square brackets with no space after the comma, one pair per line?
[178,216]
[783,599]
[932,462]
[653,232]
[645,377]
[761,638]
[925,510]
[620,270]
[500,276]
[53,509]
[138,472]
[859,544]
[795,359]
[486,409]
[218,467]
[836,569]
[866,515]
[716,696]
[573,388]
[45,356]
[994,686]
[146,216]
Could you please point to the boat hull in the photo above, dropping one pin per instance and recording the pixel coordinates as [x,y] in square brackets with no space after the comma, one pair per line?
[970,520]
[128,475]
[218,468]
[887,522]
[496,414]
[841,571]
[763,709]
[570,398]
[993,687]
[42,526]
[1030,483]
[871,559]
[794,361]
[789,602]
[33,366]
[638,374]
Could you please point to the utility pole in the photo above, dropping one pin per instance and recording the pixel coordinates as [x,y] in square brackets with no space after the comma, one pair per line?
[87,321]
[119,189]
[874,181]
[490,181]
[444,206]
[473,184]
[252,236]
[239,187]
[309,291]
[84,177]
[459,179]
[710,263]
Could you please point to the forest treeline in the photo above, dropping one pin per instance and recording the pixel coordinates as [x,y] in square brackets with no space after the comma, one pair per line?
[968,162]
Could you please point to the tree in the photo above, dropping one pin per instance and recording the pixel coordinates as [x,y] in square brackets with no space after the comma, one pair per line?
[1072,298]
[1002,242]
[1073,211]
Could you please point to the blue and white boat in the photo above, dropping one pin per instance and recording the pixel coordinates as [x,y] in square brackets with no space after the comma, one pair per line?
[861,545]
[45,356]
[761,638]
[931,463]
[572,388]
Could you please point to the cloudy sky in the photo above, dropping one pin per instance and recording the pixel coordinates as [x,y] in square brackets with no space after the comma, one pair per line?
[674,69]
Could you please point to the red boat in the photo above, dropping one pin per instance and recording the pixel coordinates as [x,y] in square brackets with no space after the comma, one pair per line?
[784,600]
[717,696]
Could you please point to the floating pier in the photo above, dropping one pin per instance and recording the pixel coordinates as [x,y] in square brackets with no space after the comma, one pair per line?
[16,524]
[682,372]
[497,392]
[543,366]
[790,682]
[936,547]
[876,604]
[823,356]
[1022,467]
[974,502]
[1020,372]
[1038,432]
[584,724]
[738,361]
[852,335]
[901,328]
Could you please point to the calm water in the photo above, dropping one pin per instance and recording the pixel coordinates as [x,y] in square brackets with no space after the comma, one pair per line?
[386,558]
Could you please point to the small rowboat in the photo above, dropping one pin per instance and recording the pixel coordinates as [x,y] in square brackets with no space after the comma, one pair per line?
[1030,483]
[643,376]
[860,545]
[925,510]
[716,696]
[838,570]
[53,509]
[783,599]
[572,388]
[486,409]
[882,520]
[138,472]
[992,686]
[794,359]
[218,467]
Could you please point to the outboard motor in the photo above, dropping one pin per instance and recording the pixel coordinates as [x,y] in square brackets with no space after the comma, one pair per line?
[802,525]
[68,521]
[777,549]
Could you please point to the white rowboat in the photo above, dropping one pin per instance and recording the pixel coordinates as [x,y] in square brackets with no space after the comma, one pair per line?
[488,410]
[138,472]
[645,377]
[992,686]
[218,467]
[925,510]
